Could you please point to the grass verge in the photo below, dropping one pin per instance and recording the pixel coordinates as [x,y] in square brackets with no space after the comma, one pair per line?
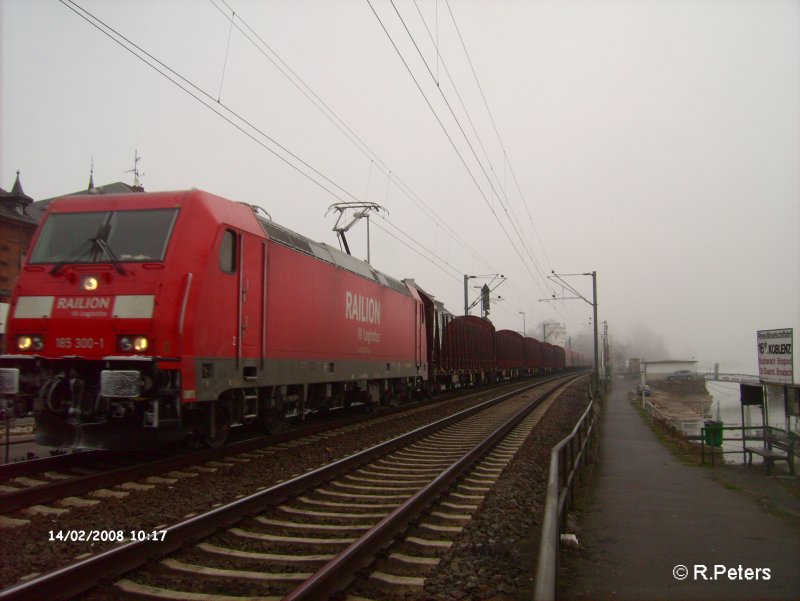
[778,494]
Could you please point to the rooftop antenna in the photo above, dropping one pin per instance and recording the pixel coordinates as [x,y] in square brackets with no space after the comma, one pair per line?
[136,175]
[360,209]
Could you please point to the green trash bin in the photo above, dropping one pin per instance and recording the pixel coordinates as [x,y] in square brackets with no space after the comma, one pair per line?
[713,433]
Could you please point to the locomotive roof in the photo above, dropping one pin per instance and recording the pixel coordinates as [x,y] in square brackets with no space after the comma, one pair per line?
[329,254]
[286,237]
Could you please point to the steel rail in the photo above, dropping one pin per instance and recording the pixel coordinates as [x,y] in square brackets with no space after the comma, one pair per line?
[83,575]
[43,464]
[78,485]
[341,570]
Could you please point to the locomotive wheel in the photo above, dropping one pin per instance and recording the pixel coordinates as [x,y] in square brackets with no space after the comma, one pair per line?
[223,427]
[274,425]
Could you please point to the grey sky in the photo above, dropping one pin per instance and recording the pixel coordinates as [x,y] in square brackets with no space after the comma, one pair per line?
[657,142]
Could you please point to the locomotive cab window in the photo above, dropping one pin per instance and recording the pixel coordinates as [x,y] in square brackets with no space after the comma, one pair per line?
[99,237]
[227,252]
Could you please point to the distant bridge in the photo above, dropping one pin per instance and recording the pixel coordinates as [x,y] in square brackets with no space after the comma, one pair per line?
[741,378]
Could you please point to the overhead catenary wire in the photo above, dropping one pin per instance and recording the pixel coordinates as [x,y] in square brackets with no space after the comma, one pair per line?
[271,55]
[528,250]
[131,47]
[499,138]
[489,179]
[474,129]
[459,97]
[497,132]
[452,142]
[477,135]
[225,62]
[178,79]
[453,84]
[512,221]
[306,90]
[455,274]
[233,118]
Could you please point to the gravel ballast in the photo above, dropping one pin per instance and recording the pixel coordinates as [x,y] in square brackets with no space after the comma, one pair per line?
[29,549]
[494,557]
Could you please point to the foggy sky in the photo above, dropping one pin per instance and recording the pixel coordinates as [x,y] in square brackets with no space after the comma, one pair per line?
[656,142]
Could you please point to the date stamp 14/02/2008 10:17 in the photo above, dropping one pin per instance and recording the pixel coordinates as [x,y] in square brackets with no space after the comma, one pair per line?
[113,536]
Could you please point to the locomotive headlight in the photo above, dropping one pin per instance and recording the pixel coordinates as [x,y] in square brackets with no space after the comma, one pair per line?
[128,344]
[30,343]
[89,283]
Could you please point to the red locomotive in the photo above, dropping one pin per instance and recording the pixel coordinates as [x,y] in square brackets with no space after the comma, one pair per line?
[144,318]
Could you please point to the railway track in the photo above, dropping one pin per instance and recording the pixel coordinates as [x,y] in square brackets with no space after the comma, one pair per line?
[62,479]
[309,536]
[29,484]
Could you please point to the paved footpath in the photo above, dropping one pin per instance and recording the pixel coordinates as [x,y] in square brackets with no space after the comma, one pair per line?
[650,513]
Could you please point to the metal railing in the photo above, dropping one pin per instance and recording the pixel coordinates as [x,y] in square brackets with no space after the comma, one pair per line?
[566,460]
[685,425]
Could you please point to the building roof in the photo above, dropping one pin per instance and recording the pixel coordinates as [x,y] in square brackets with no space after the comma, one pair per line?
[16,192]
[15,205]
[670,361]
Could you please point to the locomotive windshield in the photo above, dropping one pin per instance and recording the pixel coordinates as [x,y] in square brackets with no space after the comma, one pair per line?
[100,237]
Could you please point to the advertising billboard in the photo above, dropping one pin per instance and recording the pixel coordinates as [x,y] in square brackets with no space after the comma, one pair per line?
[775,356]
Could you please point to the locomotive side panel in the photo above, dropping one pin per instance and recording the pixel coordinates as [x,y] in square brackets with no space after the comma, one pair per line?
[272,316]
[211,323]
[321,312]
